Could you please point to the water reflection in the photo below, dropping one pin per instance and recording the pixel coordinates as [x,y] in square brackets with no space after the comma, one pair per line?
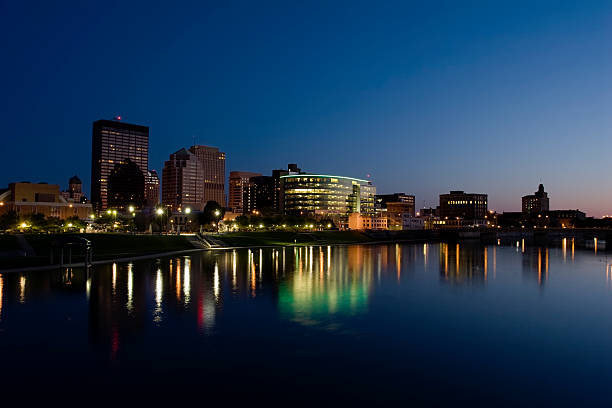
[314,286]
[535,265]
[464,263]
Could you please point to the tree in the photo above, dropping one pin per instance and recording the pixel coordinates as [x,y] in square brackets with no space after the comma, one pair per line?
[212,212]
[8,220]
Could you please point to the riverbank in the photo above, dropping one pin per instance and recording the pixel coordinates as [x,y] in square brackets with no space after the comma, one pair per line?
[104,247]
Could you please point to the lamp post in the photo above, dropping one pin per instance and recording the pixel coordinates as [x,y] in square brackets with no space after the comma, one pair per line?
[217,214]
[160,213]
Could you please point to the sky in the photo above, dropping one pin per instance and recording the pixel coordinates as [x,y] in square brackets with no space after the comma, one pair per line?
[426,97]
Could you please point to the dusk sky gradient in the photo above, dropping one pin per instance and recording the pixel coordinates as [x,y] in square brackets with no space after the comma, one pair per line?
[489,97]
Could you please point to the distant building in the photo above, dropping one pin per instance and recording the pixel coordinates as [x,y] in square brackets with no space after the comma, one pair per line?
[326,196]
[402,202]
[543,219]
[151,189]
[182,184]
[461,209]
[357,221]
[114,142]
[238,181]
[258,195]
[412,223]
[74,194]
[536,202]
[40,198]
[212,163]
[428,212]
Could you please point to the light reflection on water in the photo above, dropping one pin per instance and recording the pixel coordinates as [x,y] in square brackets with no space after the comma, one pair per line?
[388,296]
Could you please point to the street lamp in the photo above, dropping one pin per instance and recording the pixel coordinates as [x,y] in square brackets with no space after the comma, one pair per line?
[216,224]
[160,212]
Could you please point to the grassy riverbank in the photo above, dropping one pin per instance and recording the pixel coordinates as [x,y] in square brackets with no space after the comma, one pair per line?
[265,238]
[104,246]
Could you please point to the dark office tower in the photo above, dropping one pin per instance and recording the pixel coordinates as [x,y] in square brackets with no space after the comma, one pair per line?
[258,195]
[212,162]
[536,202]
[182,185]
[459,205]
[126,186]
[292,168]
[113,143]
[151,189]
[238,181]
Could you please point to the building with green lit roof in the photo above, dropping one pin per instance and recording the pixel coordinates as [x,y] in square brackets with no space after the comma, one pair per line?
[326,196]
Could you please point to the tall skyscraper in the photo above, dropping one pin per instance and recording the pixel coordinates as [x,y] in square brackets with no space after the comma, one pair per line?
[238,181]
[212,162]
[114,142]
[182,184]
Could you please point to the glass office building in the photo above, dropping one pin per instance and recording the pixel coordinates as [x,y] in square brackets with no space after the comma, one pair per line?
[327,196]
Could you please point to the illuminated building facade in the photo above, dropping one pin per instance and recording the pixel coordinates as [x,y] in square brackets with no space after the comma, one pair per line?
[212,163]
[238,181]
[357,221]
[292,169]
[40,198]
[114,142]
[536,202]
[323,196]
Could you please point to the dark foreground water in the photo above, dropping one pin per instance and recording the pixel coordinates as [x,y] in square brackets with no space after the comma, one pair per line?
[419,324]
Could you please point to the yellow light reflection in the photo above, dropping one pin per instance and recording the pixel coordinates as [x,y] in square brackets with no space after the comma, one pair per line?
[114,277]
[564,248]
[486,263]
[22,287]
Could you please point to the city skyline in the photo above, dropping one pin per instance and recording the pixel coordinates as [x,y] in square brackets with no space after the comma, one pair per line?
[498,99]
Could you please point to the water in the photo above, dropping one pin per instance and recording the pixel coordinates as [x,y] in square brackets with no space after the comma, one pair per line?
[422,324]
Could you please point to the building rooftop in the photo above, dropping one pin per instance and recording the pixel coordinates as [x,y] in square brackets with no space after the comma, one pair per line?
[324,176]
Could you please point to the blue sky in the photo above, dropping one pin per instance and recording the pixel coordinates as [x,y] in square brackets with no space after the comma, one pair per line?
[490,97]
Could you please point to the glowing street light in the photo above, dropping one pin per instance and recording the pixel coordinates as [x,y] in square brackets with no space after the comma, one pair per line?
[131,208]
[24,225]
[187,210]
[217,213]
[159,211]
